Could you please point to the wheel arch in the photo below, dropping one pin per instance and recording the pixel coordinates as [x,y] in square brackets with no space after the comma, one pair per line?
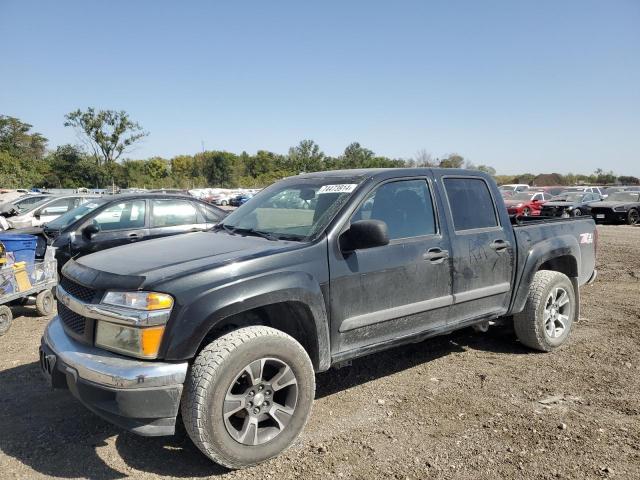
[560,254]
[290,302]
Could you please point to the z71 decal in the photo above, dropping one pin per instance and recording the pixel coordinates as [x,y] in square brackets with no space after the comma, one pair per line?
[586,238]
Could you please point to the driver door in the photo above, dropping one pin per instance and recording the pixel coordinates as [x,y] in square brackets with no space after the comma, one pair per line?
[119,224]
[383,293]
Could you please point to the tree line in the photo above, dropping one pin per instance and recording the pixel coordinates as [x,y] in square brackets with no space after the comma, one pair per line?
[106,137]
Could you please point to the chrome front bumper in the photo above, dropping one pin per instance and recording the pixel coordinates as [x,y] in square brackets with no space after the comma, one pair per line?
[140,396]
[109,369]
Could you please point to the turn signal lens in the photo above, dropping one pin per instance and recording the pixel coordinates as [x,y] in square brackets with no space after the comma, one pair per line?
[158,301]
[134,341]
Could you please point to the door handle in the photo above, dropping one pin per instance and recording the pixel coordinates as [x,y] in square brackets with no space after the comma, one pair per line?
[499,245]
[133,237]
[436,255]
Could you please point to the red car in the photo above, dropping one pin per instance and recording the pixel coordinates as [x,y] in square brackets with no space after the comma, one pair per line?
[526,203]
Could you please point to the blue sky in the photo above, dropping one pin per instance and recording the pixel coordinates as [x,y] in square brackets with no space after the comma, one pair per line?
[524,86]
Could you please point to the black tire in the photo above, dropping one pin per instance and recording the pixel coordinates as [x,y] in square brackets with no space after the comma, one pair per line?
[45,303]
[217,370]
[633,217]
[533,328]
[577,212]
[6,317]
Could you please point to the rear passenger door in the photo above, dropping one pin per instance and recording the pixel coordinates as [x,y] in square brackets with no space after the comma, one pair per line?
[483,254]
[403,288]
[171,216]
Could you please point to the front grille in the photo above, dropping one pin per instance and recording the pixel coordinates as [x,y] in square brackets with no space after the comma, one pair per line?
[73,321]
[76,290]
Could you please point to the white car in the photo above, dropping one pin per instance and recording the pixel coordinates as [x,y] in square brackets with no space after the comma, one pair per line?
[48,209]
[515,187]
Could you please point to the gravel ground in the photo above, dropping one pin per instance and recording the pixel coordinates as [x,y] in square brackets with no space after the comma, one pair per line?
[465,405]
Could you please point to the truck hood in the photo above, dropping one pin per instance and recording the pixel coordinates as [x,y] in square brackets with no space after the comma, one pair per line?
[178,255]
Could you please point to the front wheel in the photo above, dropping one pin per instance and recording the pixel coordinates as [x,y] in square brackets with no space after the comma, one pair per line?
[546,320]
[526,212]
[248,396]
[224,203]
[577,212]
[633,217]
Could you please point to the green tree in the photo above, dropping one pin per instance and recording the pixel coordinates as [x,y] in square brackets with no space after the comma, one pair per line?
[306,157]
[356,156]
[107,133]
[452,160]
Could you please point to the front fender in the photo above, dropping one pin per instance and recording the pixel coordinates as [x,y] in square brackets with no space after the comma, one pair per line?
[192,324]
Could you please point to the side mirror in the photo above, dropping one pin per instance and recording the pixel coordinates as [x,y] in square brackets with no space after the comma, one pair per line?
[90,230]
[364,234]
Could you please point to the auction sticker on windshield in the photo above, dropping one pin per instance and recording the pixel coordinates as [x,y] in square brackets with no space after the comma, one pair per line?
[339,188]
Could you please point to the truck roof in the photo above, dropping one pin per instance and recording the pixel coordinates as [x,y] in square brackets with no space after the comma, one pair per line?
[388,172]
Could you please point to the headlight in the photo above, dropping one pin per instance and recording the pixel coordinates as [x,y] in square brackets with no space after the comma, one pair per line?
[139,342]
[133,322]
[139,300]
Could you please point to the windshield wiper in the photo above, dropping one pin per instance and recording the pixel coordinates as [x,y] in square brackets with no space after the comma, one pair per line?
[245,231]
[257,233]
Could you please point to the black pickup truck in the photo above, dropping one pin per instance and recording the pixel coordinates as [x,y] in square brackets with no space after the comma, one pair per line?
[229,326]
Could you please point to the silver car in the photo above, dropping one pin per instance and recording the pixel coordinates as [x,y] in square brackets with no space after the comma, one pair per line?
[50,208]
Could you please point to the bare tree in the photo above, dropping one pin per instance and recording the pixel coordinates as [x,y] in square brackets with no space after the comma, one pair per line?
[424,159]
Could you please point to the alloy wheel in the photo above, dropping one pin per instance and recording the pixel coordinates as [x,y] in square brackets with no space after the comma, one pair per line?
[260,402]
[556,312]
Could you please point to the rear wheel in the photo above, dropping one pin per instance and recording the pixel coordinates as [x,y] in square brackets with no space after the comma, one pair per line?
[577,212]
[224,203]
[248,396]
[526,212]
[6,317]
[633,217]
[547,318]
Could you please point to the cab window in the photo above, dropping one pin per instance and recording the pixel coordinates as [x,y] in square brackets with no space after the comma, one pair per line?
[171,213]
[121,216]
[405,206]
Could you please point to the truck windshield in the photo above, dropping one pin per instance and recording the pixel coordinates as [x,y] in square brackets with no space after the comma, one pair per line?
[63,221]
[294,209]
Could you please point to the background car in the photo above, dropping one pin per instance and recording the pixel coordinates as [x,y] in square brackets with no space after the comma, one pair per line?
[240,199]
[51,208]
[619,207]
[514,187]
[118,220]
[21,204]
[592,189]
[526,203]
[221,199]
[551,190]
[570,204]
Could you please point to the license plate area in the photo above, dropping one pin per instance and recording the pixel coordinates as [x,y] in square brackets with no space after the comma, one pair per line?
[600,215]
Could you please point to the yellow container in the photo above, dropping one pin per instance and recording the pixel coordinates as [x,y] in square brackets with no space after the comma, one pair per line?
[22,277]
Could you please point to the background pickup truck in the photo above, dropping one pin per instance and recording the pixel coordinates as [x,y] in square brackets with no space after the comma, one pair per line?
[230,325]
